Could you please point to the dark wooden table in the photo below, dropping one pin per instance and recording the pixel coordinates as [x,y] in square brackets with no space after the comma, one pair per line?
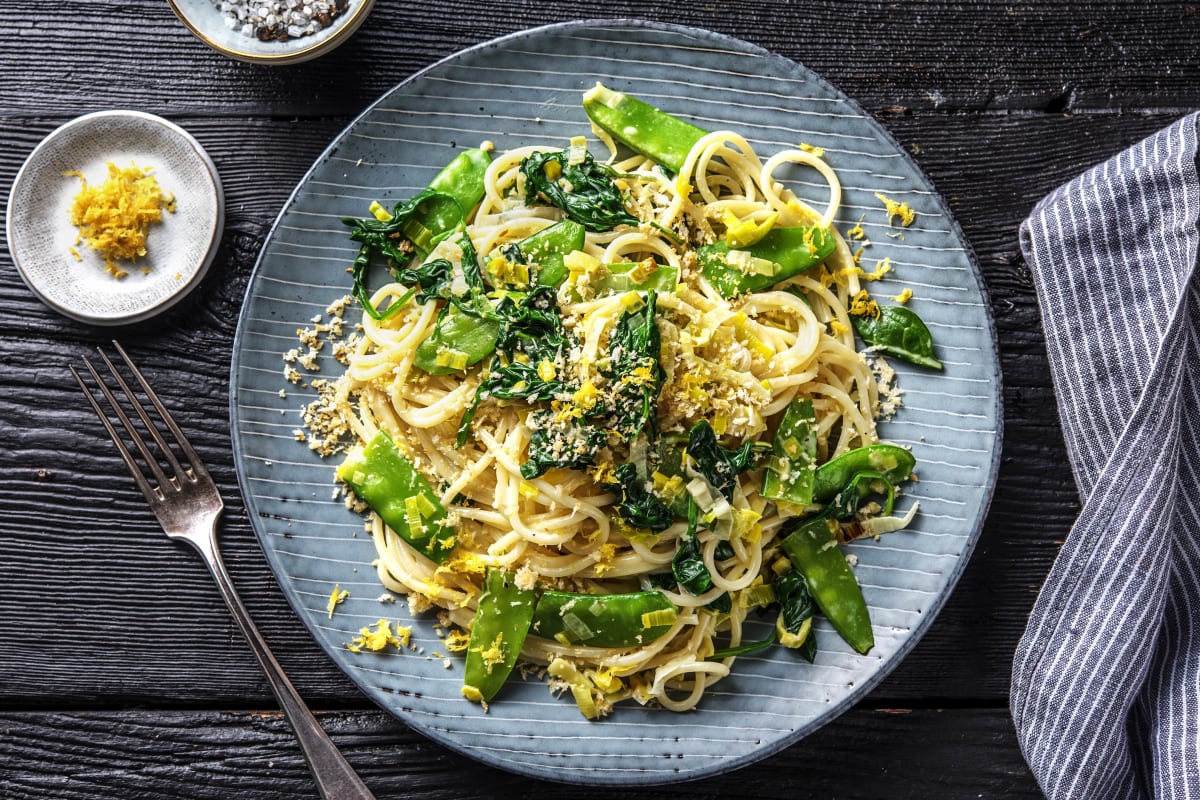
[121,674]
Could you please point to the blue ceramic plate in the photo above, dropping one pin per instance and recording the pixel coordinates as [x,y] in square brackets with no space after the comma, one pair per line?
[526,89]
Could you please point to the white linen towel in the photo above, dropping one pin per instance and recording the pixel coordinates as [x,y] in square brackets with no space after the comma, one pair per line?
[1106,680]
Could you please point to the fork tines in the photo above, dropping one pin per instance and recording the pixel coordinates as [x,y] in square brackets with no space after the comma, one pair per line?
[180,472]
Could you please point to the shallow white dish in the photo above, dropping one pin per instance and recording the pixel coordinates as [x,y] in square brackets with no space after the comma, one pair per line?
[180,248]
[209,25]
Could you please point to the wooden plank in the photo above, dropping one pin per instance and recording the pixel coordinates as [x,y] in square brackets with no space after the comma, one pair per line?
[981,56]
[97,600]
[199,754]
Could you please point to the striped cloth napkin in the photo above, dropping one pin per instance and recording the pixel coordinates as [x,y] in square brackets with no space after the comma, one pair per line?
[1106,680]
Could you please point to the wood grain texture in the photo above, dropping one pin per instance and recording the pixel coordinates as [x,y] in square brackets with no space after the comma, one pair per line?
[139,755]
[998,102]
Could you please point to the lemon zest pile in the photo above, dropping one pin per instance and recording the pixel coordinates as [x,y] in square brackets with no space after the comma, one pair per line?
[114,218]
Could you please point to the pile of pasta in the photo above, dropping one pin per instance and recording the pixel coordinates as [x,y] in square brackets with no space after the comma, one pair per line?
[735,363]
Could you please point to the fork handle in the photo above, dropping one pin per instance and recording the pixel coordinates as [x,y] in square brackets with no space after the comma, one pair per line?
[334,776]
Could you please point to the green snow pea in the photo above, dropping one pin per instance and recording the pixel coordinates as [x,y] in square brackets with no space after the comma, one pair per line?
[814,552]
[603,620]
[547,247]
[790,474]
[457,332]
[641,127]
[383,478]
[618,279]
[790,250]
[898,331]
[892,462]
[497,635]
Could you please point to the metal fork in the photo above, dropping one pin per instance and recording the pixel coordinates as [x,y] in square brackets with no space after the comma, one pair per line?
[188,505]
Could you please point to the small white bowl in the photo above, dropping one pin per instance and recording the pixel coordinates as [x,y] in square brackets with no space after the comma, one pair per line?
[179,249]
[209,24]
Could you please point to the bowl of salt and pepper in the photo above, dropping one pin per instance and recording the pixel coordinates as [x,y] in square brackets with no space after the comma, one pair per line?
[272,31]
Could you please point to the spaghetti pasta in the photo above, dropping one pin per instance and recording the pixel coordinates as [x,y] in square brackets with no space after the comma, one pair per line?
[556,478]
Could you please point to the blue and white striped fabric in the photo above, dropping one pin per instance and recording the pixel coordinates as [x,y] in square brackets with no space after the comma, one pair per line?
[1106,680]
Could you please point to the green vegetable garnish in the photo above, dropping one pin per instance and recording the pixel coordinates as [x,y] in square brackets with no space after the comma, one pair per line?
[898,331]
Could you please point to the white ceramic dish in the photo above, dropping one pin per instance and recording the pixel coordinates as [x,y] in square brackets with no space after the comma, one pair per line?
[209,24]
[180,248]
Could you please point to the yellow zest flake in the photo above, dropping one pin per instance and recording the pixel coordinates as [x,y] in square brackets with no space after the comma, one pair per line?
[462,564]
[881,268]
[837,328]
[336,598]
[114,218]
[640,376]
[604,558]
[857,233]
[585,396]
[897,209]
[74,254]
[564,411]
[857,256]
[682,187]
[457,641]
[819,152]
[810,241]
[380,636]
[379,212]
[604,472]
[863,306]
[904,296]
[473,694]
[493,654]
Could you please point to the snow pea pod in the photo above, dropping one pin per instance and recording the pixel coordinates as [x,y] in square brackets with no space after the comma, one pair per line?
[620,277]
[641,127]
[383,478]
[814,552]
[790,251]
[497,634]
[893,462]
[791,473]
[462,180]
[547,247]
[603,620]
